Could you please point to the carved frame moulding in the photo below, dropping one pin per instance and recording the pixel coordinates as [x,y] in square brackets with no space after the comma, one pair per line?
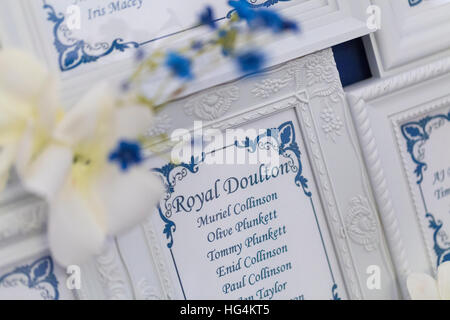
[134,264]
[84,56]
[397,120]
[310,90]
[412,33]
[28,271]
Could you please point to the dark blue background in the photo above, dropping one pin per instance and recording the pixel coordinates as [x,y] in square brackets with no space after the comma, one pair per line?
[352,62]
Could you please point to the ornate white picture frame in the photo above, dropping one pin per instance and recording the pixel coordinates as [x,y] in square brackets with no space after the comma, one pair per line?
[133,265]
[397,120]
[413,32]
[309,88]
[43,31]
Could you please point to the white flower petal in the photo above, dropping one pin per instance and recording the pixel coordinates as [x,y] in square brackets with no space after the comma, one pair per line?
[46,175]
[73,231]
[25,147]
[132,121]
[21,74]
[7,155]
[444,280]
[13,112]
[48,104]
[83,120]
[128,197]
[422,287]
[3,181]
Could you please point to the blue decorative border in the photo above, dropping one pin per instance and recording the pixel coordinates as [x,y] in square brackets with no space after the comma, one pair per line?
[416,134]
[413,3]
[265,4]
[72,52]
[38,276]
[287,147]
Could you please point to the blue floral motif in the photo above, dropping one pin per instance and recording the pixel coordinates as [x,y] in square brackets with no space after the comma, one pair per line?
[287,147]
[37,276]
[169,228]
[170,180]
[74,54]
[251,4]
[416,134]
[441,243]
[335,293]
[266,4]
[285,143]
[171,173]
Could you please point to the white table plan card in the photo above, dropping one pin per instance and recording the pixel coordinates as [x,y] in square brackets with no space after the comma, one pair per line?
[305,228]
[403,125]
[86,40]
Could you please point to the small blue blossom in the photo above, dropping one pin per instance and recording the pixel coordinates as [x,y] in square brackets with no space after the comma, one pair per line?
[197,45]
[269,19]
[243,9]
[207,18]
[250,62]
[226,52]
[272,20]
[290,26]
[127,154]
[179,65]
[125,86]
[140,54]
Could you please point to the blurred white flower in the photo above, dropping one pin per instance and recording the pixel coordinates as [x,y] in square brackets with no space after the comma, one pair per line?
[424,287]
[91,197]
[29,108]
[65,157]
